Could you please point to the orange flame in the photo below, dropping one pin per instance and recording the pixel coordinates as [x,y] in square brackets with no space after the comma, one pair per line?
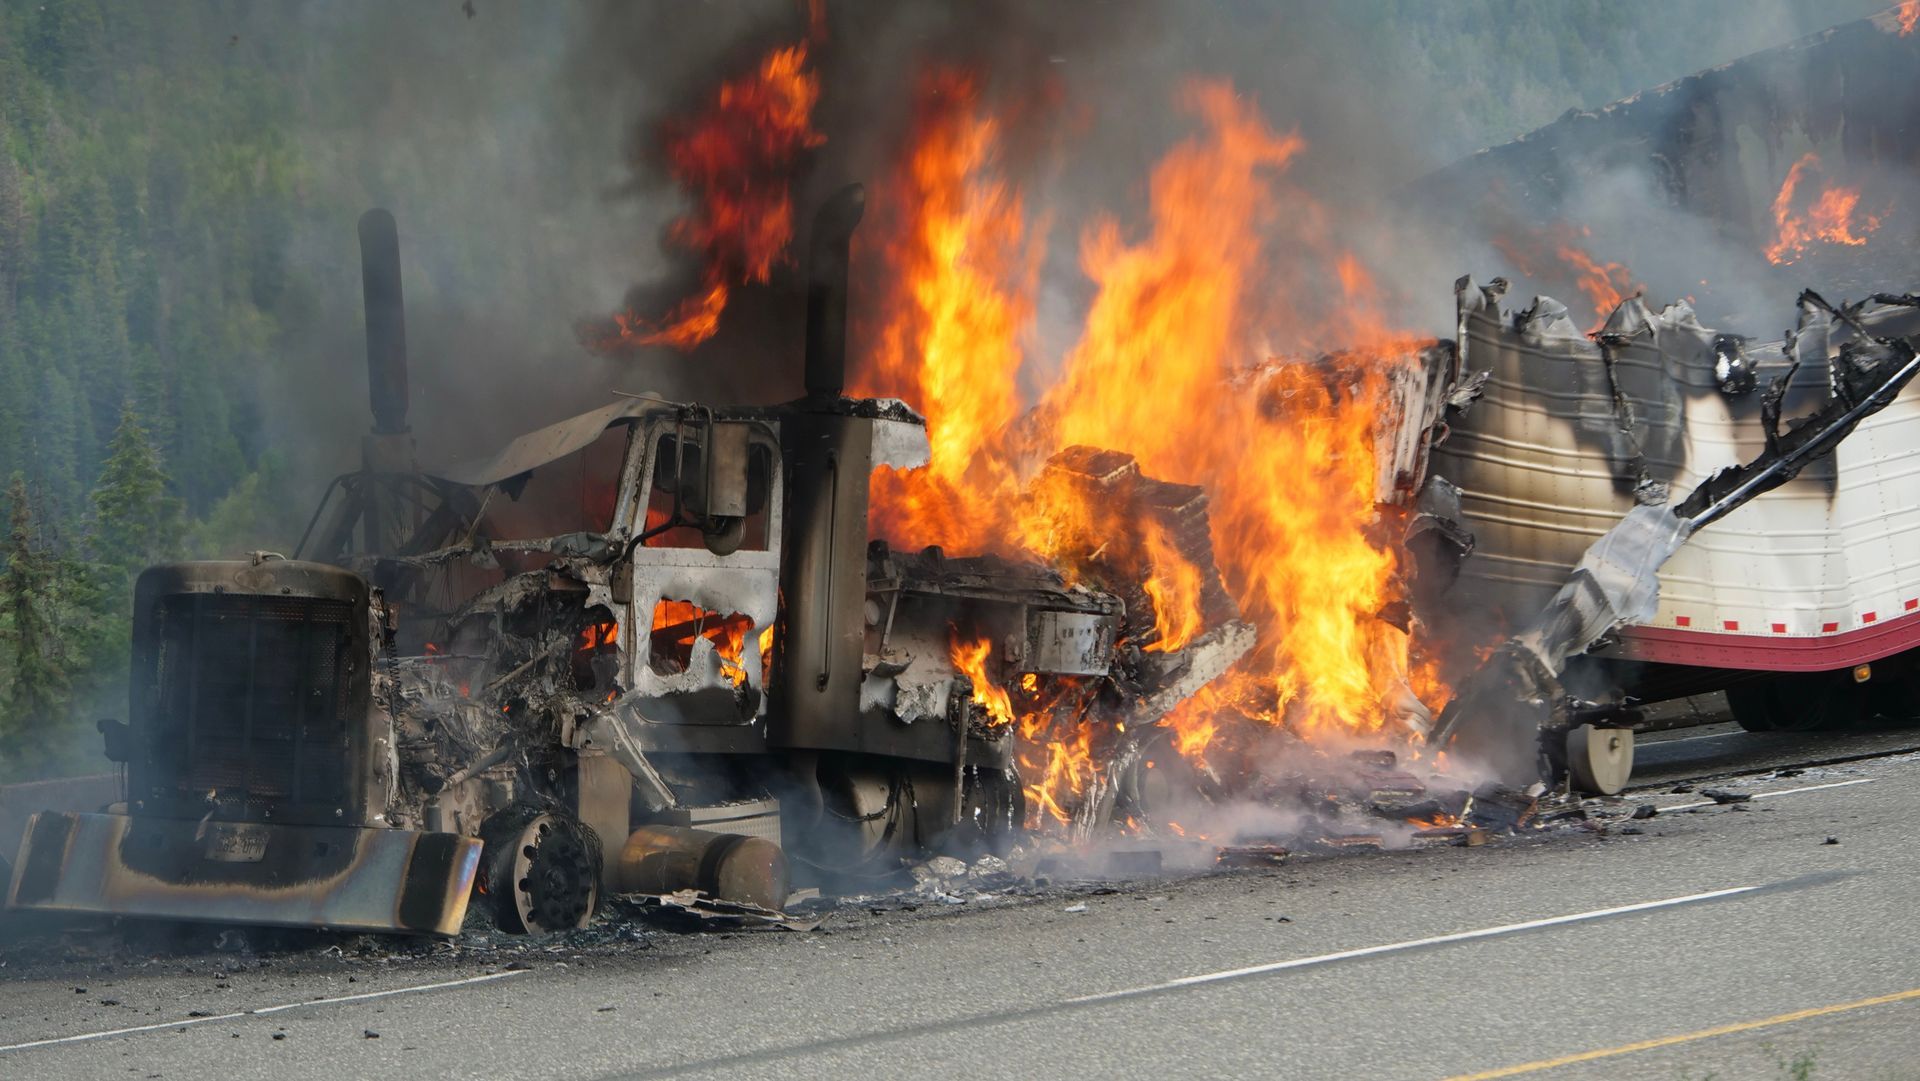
[1606,284]
[599,635]
[677,623]
[1828,218]
[1195,722]
[1175,591]
[951,342]
[1167,369]
[1907,16]
[971,660]
[735,158]
[1068,769]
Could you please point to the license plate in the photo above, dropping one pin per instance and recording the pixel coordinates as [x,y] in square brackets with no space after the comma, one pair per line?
[235,843]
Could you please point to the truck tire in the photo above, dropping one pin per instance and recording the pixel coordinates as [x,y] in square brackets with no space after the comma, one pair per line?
[539,868]
[1796,703]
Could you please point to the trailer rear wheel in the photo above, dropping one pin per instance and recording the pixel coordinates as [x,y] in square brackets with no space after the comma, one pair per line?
[1796,703]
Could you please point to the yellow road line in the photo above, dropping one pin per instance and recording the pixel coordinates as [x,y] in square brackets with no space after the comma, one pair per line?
[1688,1037]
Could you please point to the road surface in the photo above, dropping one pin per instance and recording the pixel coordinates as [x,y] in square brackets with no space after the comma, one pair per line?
[1722,941]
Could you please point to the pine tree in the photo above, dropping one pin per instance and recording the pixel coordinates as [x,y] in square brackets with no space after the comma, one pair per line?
[37,692]
[137,521]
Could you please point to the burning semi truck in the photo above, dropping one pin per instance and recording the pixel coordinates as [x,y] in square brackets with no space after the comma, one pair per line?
[646,649]
[653,648]
[658,648]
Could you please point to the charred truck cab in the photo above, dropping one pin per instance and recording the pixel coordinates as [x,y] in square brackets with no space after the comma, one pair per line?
[258,777]
[644,650]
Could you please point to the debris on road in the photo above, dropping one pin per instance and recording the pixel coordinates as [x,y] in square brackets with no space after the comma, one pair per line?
[1501,808]
[1251,855]
[693,909]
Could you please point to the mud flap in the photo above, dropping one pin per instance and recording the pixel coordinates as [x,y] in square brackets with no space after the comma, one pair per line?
[244,872]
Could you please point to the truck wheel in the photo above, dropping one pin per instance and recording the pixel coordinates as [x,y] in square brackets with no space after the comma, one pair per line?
[1796,703]
[541,873]
[1599,760]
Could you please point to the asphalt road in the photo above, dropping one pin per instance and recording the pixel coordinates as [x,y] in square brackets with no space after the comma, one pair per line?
[1723,749]
[1433,964]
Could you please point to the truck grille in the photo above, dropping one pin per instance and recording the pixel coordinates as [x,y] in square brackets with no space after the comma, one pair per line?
[250,698]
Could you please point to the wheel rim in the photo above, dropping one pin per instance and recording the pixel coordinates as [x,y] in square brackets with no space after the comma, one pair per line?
[550,877]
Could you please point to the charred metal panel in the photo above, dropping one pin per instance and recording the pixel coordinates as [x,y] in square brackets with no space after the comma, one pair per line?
[250,692]
[20,802]
[824,580]
[743,582]
[1069,643]
[727,462]
[918,601]
[318,876]
[1412,418]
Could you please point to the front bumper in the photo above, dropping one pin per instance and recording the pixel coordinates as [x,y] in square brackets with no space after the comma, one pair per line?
[226,872]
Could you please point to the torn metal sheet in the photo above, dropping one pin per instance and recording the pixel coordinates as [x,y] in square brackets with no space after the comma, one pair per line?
[1544,468]
[547,445]
[1184,672]
[1617,580]
[691,908]
[1412,418]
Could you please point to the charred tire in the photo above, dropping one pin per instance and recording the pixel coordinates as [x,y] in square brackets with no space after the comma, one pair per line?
[1797,703]
[540,870]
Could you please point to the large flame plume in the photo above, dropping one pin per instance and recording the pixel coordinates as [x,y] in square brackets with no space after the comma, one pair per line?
[1170,367]
[963,275]
[734,159]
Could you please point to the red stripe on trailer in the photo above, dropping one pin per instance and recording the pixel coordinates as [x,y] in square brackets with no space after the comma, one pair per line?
[1779,628]
[1730,624]
[1768,653]
[1913,603]
[1683,621]
[1866,617]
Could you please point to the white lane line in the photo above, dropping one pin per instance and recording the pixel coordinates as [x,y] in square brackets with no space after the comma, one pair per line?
[1765,795]
[1392,947]
[185,1021]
